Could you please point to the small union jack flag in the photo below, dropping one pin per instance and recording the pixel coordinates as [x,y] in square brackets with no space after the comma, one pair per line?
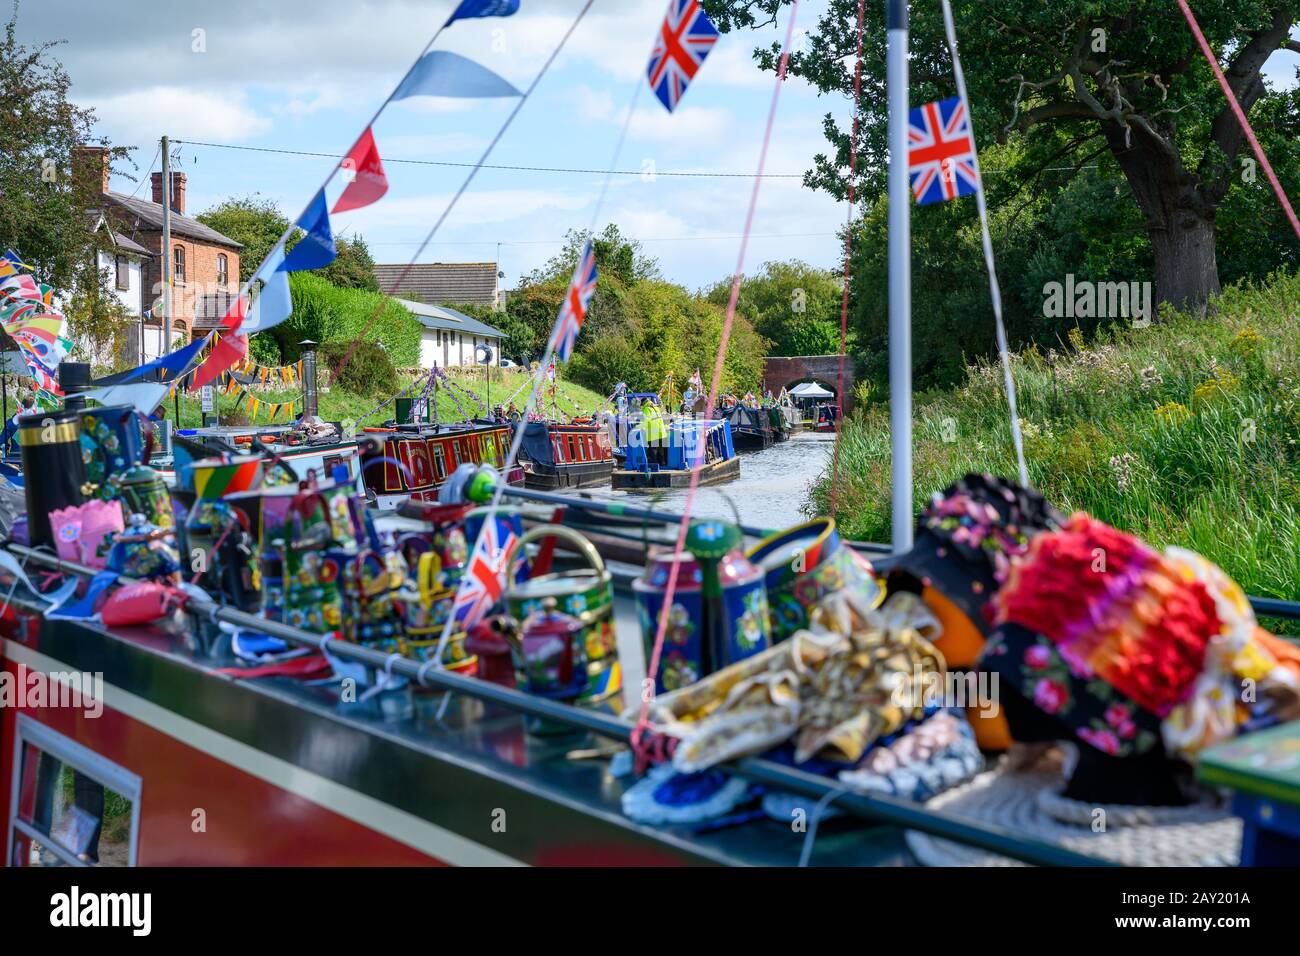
[574,310]
[485,575]
[941,152]
[684,41]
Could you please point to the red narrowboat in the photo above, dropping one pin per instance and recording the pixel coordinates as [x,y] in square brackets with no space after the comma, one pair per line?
[559,455]
[413,461]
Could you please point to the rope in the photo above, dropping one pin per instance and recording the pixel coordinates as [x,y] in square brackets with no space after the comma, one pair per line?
[1241,116]
[848,259]
[994,291]
[680,547]
[389,401]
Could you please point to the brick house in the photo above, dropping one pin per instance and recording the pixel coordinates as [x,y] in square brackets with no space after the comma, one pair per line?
[205,263]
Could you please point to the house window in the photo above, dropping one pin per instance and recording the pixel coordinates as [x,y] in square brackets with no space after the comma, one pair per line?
[123,274]
[178,264]
[223,269]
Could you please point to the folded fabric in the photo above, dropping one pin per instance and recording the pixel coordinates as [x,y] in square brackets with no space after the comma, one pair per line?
[860,675]
[965,540]
[938,754]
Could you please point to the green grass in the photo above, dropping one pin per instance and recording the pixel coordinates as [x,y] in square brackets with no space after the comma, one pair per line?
[337,405]
[1217,469]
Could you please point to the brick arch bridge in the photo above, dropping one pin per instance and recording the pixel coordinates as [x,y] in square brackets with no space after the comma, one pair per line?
[782,371]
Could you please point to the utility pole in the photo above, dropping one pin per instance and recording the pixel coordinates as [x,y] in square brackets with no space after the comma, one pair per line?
[900,277]
[167,245]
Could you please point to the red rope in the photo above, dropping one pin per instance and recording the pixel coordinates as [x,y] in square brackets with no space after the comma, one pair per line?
[671,588]
[1241,115]
[848,256]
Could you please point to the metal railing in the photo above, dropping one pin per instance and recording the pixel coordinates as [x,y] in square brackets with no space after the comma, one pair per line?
[878,809]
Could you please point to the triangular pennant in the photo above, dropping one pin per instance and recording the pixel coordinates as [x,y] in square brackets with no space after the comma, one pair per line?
[482,8]
[229,349]
[316,249]
[365,172]
[273,303]
[440,73]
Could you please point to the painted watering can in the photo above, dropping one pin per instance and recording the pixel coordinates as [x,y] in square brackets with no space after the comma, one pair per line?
[551,661]
[719,613]
[586,595]
[110,443]
[438,562]
[803,565]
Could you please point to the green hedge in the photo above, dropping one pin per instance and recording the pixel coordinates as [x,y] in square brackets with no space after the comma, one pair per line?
[325,313]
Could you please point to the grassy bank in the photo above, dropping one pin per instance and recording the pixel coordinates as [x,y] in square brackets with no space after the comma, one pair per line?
[1185,432]
[337,404]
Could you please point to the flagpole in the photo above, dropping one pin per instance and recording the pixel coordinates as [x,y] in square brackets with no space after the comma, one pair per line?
[900,277]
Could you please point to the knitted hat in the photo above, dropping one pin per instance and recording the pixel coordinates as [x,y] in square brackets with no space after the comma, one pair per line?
[967,535]
[1097,637]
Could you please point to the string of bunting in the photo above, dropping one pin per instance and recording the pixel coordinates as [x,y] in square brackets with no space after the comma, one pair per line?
[402,394]
[232,388]
[436,73]
[250,374]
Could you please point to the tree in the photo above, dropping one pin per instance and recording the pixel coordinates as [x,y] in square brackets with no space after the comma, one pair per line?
[257,224]
[795,305]
[254,222]
[1072,81]
[45,215]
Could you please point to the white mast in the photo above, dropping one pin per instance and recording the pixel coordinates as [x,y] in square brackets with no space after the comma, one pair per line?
[900,277]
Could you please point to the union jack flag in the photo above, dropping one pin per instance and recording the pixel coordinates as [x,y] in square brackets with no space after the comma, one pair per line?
[574,310]
[684,41]
[485,576]
[941,152]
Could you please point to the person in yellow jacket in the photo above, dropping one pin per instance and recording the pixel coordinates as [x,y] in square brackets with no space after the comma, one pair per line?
[655,433]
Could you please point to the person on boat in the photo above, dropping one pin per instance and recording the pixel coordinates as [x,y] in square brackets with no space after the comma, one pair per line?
[11,427]
[655,433]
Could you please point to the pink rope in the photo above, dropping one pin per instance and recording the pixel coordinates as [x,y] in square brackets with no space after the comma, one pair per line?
[1241,115]
[671,588]
[848,256]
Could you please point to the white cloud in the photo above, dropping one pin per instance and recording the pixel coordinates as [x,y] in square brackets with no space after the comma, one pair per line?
[138,115]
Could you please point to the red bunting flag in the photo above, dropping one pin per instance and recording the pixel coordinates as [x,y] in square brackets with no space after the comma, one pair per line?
[230,348]
[365,171]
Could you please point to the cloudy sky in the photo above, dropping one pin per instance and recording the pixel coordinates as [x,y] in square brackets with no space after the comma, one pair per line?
[306,75]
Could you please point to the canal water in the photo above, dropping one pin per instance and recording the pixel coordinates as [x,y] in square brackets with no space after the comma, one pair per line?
[770,492]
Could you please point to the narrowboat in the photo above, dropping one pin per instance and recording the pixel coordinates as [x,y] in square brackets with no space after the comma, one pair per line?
[158,742]
[291,450]
[558,455]
[751,428]
[704,442]
[413,461]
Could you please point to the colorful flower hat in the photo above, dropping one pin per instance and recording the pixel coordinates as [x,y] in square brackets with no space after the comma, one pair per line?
[966,537]
[1099,638]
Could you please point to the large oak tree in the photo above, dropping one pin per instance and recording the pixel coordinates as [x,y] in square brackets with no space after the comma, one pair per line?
[1072,80]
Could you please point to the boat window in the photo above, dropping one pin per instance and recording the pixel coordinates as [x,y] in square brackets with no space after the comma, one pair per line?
[71,806]
[439,461]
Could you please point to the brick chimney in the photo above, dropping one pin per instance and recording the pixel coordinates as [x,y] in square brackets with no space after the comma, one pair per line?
[178,191]
[90,173]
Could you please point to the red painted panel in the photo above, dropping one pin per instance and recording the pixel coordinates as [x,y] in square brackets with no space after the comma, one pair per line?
[249,822]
